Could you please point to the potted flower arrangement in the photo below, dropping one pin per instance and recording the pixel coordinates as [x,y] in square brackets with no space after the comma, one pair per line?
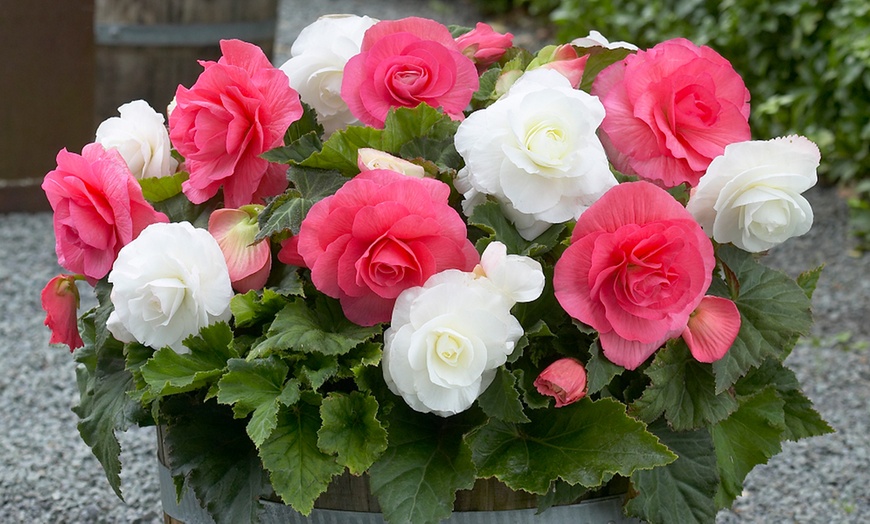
[422,256]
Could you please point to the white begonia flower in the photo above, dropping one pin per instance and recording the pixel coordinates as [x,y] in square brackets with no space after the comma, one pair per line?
[536,151]
[520,278]
[316,67]
[596,39]
[751,197]
[140,135]
[445,341]
[167,284]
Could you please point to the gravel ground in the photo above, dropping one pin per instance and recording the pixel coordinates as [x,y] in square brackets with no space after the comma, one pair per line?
[48,475]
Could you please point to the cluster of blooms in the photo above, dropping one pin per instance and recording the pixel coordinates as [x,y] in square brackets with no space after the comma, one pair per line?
[407,221]
[389,246]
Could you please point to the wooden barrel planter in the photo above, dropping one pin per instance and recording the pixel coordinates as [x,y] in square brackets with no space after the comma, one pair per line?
[146,48]
[348,500]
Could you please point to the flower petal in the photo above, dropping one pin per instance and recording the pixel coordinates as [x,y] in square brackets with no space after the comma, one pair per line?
[712,328]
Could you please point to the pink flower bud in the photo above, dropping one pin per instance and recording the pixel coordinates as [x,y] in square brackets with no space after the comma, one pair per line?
[564,380]
[564,59]
[484,45]
[248,261]
[60,300]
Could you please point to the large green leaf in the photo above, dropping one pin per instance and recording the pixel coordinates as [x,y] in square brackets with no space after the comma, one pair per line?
[168,372]
[501,399]
[105,404]
[683,490]
[404,125]
[683,390]
[750,436]
[774,310]
[299,471]
[584,443]
[322,329]
[287,211]
[425,463]
[351,430]
[211,452]
[340,150]
[801,420]
[255,386]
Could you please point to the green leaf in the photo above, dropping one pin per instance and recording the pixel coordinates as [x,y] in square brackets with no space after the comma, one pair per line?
[561,493]
[683,390]
[295,152]
[750,436]
[302,139]
[317,368]
[212,453]
[425,463]
[599,59]
[158,189]
[404,124]
[299,471]
[501,399]
[340,150]
[322,328]
[599,370]
[809,279]
[105,404]
[254,309]
[584,443]
[168,372]
[683,490]
[363,355]
[351,430]
[801,420]
[490,218]
[180,209]
[288,210]
[254,387]
[774,310]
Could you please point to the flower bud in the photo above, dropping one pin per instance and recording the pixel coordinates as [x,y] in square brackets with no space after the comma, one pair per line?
[484,45]
[60,300]
[248,261]
[564,380]
[369,159]
[564,59]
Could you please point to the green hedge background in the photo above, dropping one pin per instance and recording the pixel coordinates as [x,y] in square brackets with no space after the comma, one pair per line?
[806,64]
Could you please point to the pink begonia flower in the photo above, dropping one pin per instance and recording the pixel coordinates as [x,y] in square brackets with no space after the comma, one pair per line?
[98,209]
[381,233]
[484,45]
[637,267]
[60,300]
[369,159]
[564,380]
[712,328]
[249,263]
[671,110]
[239,108]
[564,60]
[405,63]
